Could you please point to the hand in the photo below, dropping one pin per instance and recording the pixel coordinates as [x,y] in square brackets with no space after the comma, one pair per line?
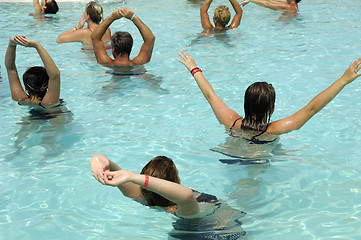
[81,22]
[116,14]
[352,72]
[187,60]
[21,40]
[117,178]
[244,2]
[126,12]
[99,164]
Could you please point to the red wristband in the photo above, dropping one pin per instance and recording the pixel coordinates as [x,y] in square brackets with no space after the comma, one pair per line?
[195,70]
[146,181]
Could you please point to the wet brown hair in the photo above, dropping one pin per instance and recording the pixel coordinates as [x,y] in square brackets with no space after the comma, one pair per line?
[164,168]
[36,81]
[259,101]
[51,7]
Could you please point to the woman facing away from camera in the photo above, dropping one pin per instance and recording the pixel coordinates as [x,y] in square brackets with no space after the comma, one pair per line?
[92,15]
[158,185]
[42,84]
[46,7]
[259,103]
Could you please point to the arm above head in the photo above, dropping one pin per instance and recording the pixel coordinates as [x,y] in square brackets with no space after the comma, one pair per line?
[146,50]
[96,36]
[206,23]
[179,194]
[37,8]
[17,91]
[53,92]
[224,114]
[100,165]
[239,12]
[272,4]
[297,120]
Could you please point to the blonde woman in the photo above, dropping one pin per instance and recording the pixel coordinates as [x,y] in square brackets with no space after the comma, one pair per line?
[92,15]
[221,16]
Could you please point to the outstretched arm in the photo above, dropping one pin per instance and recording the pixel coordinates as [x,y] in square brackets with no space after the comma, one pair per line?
[100,164]
[206,23]
[272,4]
[297,120]
[96,36]
[37,8]
[17,91]
[146,50]
[224,114]
[181,195]
[237,18]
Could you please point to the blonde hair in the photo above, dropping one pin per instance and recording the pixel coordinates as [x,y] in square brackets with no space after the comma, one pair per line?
[95,12]
[222,15]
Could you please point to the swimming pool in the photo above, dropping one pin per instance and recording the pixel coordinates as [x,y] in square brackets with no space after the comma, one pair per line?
[311,188]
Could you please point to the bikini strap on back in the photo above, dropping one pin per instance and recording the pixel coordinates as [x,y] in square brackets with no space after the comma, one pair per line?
[234,123]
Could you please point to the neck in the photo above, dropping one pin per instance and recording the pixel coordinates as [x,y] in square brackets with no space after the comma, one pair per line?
[122,60]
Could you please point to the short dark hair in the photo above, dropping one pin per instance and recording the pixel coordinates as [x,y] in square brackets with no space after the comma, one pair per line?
[164,168]
[297,1]
[51,7]
[259,101]
[122,43]
[36,81]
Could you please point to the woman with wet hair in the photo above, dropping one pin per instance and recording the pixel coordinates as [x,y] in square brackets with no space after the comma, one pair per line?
[259,102]
[46,7]
[158,185]
[221,16]
[42,84]
[92,15]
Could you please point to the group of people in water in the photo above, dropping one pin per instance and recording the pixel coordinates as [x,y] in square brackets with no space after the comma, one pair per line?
[158,184]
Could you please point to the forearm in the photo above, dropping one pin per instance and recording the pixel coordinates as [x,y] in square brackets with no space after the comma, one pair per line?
[204,86]
[98,33]
[49,64]
[37,7]
[10,57]
[146,33]
[206,5]
[237,8]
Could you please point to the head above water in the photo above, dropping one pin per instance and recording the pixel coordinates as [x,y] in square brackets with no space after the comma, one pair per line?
[51,7]
[122,43]
[36,81]
[164,168]
[259,101]
[222,15]
[94,11]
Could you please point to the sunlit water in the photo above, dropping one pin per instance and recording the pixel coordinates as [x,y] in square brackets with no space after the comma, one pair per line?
[310,189]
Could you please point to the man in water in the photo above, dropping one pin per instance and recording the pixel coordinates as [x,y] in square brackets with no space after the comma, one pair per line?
[122,42]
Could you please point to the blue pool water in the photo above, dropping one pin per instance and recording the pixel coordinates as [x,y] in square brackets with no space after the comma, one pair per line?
[309,190]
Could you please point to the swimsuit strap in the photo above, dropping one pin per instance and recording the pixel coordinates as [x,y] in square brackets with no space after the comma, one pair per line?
[234,123]
[90,29]
[295,7]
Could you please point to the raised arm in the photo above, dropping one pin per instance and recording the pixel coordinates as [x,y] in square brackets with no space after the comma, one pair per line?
[224,114]
[272,4]
[17,91]
[76,34]
[181,195]
[37,8]
[146,50]
[100,164]
[297,120]
[239,12]
[206,23]
[96,36]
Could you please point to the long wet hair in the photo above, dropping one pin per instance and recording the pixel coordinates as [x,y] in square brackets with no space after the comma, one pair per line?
[122,43]
[94,11]
[259,101]
[164,168]
[222,15]
[36,81]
